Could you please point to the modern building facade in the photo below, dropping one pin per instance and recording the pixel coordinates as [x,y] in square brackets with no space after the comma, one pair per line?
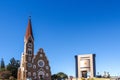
[85,65]
[33,67]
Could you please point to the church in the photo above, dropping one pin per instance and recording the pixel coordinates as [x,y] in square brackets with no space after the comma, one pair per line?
[33,67]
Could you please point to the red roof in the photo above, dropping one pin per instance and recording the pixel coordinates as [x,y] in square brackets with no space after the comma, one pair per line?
[29,30]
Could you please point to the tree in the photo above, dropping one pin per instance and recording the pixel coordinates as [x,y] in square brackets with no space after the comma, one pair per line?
[54,77]
[62,75]
[13,67]
[2,65]
[108,75]
[59,76]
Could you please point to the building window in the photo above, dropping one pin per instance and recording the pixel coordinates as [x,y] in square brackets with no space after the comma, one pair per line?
[47,75]
[29,52]
[41,55]
[34,66]
[29,74]
[34,73]
[29,65]
[30,45]
[47,67]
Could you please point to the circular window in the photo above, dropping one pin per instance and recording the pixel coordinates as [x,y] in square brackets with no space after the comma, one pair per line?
[29,65]
[41,63]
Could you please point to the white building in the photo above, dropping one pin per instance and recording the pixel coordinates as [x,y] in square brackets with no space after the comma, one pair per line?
[85,65]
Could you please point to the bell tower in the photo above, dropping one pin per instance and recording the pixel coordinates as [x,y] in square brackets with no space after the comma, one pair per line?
[28,54]
[29,39]
[28,49]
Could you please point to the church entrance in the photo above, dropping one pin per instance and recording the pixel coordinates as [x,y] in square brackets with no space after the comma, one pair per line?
[41,75]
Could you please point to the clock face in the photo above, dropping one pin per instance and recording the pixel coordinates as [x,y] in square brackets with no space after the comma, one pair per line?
[41,63]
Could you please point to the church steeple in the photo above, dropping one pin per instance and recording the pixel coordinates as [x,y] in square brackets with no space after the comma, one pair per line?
[29,30]
[29,39]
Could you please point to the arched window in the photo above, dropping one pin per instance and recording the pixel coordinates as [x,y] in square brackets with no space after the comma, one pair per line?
[29,74]
[29,52]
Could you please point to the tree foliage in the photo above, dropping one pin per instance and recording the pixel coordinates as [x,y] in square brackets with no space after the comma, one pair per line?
[2,65]
[54,77]
[106,74]
[59,76]
[13,67]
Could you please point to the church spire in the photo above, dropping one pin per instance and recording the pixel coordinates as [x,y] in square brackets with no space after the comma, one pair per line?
[29,30]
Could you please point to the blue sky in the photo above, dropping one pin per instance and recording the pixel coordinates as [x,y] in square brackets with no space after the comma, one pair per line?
[64,28]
